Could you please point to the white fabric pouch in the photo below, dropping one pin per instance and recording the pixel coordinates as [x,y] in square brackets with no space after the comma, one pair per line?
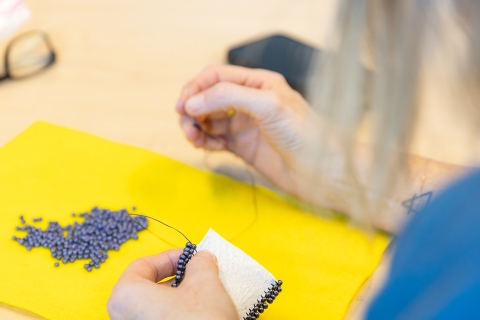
[245,280]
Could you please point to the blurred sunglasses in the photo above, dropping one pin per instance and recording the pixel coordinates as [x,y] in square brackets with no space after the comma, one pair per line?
[28,54]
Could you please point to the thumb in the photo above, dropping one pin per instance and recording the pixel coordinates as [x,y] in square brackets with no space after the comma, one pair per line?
[225,96]
[202,268]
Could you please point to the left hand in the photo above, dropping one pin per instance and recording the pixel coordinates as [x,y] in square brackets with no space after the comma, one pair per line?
[201,295]
[272,127]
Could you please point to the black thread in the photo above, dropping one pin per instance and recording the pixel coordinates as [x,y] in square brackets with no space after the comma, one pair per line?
[252,187]
[133,214]
[199,128]
[250,175]
[153,233]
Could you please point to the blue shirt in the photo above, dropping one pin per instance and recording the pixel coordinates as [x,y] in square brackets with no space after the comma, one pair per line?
[435,267]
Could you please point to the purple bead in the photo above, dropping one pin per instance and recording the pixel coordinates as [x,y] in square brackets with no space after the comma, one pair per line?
[101,230]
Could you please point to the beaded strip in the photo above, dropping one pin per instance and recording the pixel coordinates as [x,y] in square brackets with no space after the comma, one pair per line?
[184,258]
[270,295]
[261,304]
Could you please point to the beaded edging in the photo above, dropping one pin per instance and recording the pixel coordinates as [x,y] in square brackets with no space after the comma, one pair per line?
[261,305]
[185,257]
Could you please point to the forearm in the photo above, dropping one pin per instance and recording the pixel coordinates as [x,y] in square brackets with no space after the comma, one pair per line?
[424,179]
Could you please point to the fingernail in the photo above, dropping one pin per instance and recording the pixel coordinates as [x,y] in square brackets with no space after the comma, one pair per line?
[214,257]
[179,104]
[183,97]
[195,103]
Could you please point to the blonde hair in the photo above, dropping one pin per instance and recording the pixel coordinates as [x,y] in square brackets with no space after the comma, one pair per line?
[408,44]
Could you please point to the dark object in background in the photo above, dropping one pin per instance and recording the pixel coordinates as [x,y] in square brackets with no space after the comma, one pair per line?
[279,53]
[28,54]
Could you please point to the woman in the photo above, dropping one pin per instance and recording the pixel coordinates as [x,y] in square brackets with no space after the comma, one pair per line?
[312,154]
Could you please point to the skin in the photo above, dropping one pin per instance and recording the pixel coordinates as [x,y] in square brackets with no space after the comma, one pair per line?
[274,130]
[201,295]
[254,114]
[270,127]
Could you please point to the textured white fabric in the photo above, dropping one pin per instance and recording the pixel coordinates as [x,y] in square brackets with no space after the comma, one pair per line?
[243,277]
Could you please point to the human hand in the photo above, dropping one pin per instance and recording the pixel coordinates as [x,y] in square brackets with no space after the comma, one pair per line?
[201,295]
[271,127]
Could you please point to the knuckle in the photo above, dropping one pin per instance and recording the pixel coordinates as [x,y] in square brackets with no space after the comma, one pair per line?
[212,68]
[274,76]
[275,99]
[209,68]
[142,266]
[138,263]
[279,77]
[145,264]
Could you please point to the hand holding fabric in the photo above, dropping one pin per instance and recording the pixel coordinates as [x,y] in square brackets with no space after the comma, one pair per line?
[137,295]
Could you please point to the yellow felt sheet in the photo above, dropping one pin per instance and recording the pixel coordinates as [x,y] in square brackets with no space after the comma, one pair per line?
[50,171]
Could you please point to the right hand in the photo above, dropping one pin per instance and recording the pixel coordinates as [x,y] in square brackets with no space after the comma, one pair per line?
[270,128]
[138,295]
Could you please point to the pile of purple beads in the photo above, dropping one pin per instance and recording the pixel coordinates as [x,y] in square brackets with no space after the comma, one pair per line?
[184,258]
[101,230]
[261,304]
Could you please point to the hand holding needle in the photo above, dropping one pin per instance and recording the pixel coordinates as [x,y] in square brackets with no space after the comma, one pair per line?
[197,126]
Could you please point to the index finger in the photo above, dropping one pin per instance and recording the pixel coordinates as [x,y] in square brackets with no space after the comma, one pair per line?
[153,268]
[253,78]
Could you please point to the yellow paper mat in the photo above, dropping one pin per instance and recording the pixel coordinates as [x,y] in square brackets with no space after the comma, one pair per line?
[50,171]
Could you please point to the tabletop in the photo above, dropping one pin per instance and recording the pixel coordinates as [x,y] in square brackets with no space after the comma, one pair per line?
[121,65]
